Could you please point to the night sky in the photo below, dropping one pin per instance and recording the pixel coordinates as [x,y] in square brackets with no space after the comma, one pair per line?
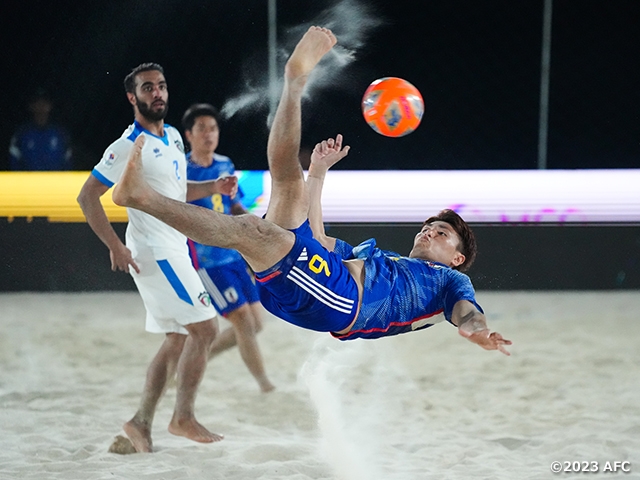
[477,64]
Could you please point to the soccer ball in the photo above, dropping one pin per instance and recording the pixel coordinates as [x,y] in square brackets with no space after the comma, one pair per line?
[392,107]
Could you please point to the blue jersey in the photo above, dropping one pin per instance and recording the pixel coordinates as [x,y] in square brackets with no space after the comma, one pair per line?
[402,294]
[206,256]
[40,148]
[310,287]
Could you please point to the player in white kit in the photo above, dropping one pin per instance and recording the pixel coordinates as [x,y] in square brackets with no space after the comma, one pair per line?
[157,257]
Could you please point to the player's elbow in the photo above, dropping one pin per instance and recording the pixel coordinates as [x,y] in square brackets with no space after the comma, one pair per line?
[82,199]
[88,196]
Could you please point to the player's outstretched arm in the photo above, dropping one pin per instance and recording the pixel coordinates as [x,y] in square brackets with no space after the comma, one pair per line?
[472,325]
[324,156]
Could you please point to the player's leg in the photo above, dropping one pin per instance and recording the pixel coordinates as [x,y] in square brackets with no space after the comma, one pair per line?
[289,203]
[191,368]
[224,341]
[260,242]
[161,368]
[243,333]
[244,328]
[258,314]
[227,338]
[232,291]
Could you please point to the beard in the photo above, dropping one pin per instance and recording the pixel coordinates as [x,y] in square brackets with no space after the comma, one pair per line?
[152,115]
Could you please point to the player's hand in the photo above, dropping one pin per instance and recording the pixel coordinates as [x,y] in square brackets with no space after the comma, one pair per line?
[329,152]
[121,258]
[227,186]
[486,339]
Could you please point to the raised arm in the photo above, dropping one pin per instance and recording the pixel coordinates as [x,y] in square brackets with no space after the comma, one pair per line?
[472,325]
[325,155]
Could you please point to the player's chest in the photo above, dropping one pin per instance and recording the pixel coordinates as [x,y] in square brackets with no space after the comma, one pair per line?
[164,164]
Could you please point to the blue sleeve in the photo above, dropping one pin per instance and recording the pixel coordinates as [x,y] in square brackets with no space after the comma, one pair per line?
[343,249]
[458,288]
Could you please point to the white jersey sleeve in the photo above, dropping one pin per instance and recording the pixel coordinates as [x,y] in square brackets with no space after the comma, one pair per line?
[115,157]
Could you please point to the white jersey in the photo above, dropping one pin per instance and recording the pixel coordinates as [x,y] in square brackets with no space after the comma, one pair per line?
[165,169]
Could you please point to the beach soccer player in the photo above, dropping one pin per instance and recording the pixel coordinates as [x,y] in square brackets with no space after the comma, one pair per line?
[321,283]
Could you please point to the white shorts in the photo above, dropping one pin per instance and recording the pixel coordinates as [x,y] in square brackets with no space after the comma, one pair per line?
[172,293]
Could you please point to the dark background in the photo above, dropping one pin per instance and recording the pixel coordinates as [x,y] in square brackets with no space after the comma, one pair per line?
[477,64]
[43,256]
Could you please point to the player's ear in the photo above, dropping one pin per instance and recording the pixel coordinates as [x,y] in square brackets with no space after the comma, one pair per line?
[132,98]
[458,259]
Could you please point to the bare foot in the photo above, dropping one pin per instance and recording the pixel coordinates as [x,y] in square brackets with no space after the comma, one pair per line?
[139,434]
[132,188]
[191,429]
[313,45]
[266,386]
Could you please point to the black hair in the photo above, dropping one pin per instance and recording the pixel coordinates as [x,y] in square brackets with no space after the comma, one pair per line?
[130,80]
[468,246]
[199,110]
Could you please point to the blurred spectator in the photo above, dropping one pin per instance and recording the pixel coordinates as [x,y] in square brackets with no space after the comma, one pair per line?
[39,144]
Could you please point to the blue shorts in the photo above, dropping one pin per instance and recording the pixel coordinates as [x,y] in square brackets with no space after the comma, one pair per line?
[230,286]
[310,287]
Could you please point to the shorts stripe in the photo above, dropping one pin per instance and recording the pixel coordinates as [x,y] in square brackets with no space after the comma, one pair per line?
[319,291]
[175,282]
[215,293]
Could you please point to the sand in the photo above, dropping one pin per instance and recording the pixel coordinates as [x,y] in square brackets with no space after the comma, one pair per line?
[426,405]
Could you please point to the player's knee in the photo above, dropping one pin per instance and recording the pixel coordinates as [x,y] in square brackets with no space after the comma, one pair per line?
[174,342]
[203,332]
[249,222]
[236,316]
[243,320]
[257,324]
[256,229]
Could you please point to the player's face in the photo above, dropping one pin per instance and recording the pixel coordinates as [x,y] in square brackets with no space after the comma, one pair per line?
[204,135]
[151,96]
[438,242]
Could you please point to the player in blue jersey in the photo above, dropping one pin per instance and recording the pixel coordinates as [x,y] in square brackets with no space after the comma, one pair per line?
[320,283]
[157,257]
[40,145]
[223,271]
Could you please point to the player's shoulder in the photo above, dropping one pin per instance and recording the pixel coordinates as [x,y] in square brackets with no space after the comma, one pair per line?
[121,146]
[391,254]
[439,268]
[456,277]
[223,163]
[125,141]
[128,136]
[171,130]
[24,130]
[217,157]
[200,173]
